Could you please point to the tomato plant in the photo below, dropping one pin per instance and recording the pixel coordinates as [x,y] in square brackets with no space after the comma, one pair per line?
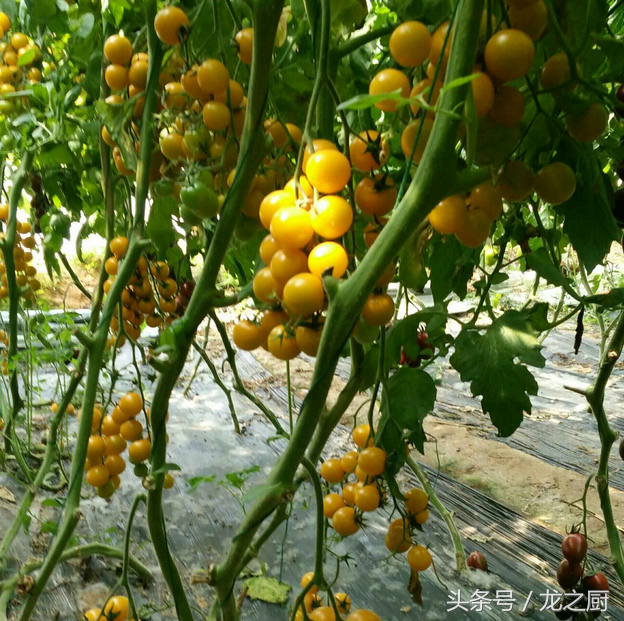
[307,167]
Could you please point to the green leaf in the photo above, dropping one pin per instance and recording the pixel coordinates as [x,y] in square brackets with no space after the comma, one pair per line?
[49,526]
[267,590]
[540,262]
[360,102]
[195,482]
[582,17]
[116,119]
[589,221]
[488,361]
[41,11]
[85,26]
[167,468]
[26,58]
[10,8]
[451,266]
[614,298]
[409,395]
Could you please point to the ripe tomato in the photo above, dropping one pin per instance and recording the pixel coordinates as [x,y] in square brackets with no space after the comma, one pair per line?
[175,97]
[118,50]
[372,460]
[327,256]
[303,295]
[247,335]
[304,189]
[167,24]
[437,43]
[362,436]
[308,339]
[213,77]
[416,501]
[419,558]
[265,287]
[96,448]
[348,493]
[408,138]
[487,197]
[450,215]
[116,77]
[476,229]
[509,54]
[378,309]
[94,615]
[343,602]
[368,151]
[509,106]
[589,125]
[288,263]
[483,92]
[190,84]
[117,608]
[236,95]
[319,145]
[169,481]
[271,319]
[331,471]
[556,71]
[291,227]
[111,266]
[115,464]
[5,22]
[344,522]
[244,41]
[372,230]
[328,171]
[476,560]
[398,538]
[376,197]
[410,44]
[273,202]
[115,445]
[424,88]
[282,344]
[389,81]
[324,613]
[306,579]
[349,461]
[216,116]
[363,615]
[574,547]
[367,498]
[140,450]
[532,19]
[131,404]
[109,426]
[222,150]
[387,276]
[555,183]
[131,430]
[331,504]
[331,217]
[19,40]
[595,582]
[97,475]
[119,415]
[516,182]
[422,517]
[171,145]
[568,574]
[137,74]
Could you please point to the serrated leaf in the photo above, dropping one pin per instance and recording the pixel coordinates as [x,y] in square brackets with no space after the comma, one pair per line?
[267,590]
[360,102]
[540,262]
[195,482]
[614,298]
[167,468]
[451,266]
[159,226]
[494,364]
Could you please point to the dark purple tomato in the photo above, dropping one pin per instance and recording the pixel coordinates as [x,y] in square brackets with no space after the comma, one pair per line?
[574,547]
[596,582]
[476,560]
[187,288]
[568,575]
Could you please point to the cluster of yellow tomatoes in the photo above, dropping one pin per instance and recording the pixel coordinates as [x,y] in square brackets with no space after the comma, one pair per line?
[117,608]
[139,297]
[317,610]
[19,48]
[306,222]
[347,508]
[110,435]
[25,275]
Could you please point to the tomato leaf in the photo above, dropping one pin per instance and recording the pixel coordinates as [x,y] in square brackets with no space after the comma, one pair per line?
[159,228]
[451,265]
[267,590]
[409,395]
[539,261]
[589,221]
[614,298]
[359,102]
[488,361]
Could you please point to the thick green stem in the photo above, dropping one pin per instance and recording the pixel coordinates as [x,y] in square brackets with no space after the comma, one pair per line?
[595,398]
[435,178]
[447,516]
[71,514]
[8,248]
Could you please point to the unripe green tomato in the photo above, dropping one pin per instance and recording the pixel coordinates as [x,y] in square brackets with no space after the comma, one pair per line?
[6,106]
[189,216]
[366,334]
[200,199]
[490,254]
[141,470]
[206,177]
[107,490]
[161,188]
